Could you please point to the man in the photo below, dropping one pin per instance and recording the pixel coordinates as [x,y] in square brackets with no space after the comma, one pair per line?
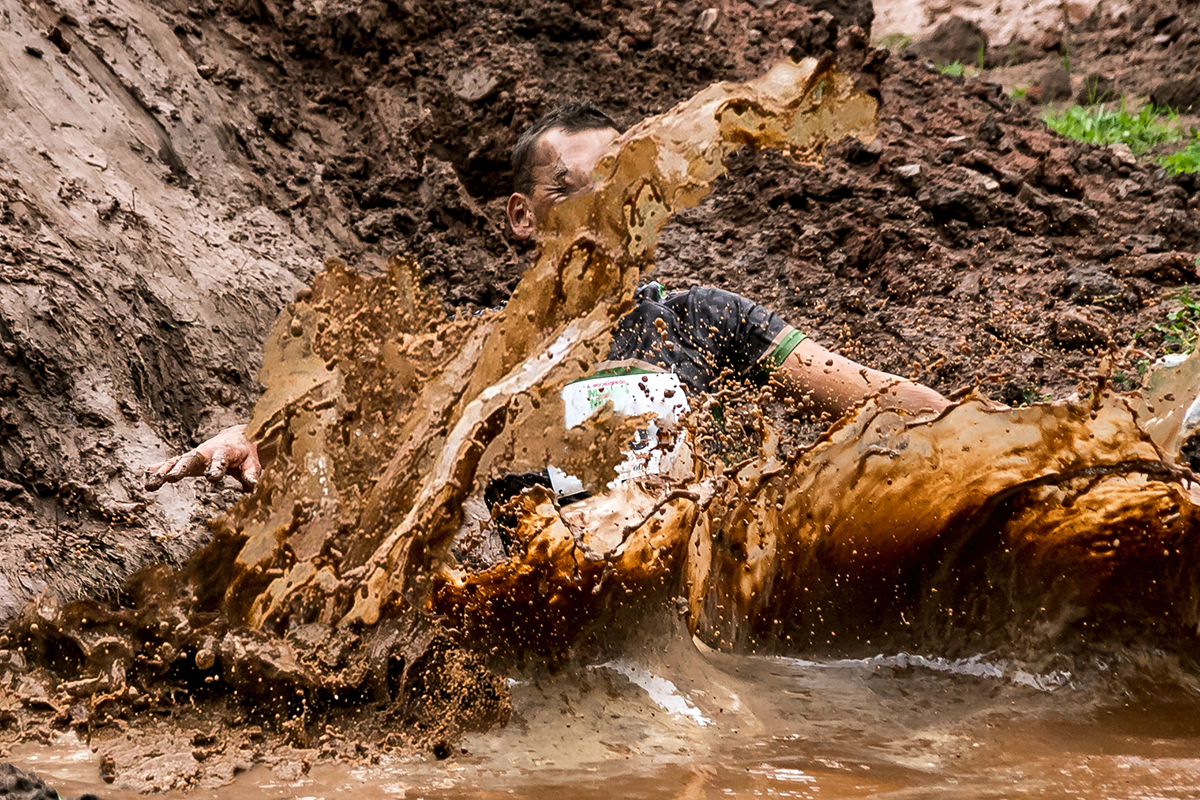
[703,334]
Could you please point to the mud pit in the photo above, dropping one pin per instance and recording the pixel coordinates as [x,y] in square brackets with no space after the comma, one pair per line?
[328,602]
[936,243]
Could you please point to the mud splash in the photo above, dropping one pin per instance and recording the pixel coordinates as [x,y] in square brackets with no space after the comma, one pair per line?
[1055,526]
[483,392]
[378,413]
[984,528]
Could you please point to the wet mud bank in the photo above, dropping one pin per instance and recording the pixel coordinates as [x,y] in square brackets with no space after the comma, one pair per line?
[954,240]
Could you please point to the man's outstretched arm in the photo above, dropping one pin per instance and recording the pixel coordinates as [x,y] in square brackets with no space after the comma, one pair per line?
[823,381]
[227,453]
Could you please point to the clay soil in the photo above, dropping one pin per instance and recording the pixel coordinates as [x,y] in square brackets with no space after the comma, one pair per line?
[172,173]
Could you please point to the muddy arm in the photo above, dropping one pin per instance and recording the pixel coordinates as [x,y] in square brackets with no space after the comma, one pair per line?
[825,382]
[227,453]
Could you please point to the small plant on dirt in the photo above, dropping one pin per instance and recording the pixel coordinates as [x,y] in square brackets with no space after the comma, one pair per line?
[1186,160]
[1093,92]
[954,70]
[1122,381]
[1148,127]
[1031,396]
[896,42]
[1018,92]
[979,58]
[1181,329]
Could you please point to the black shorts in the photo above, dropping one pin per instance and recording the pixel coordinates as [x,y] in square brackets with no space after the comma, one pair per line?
[703,335]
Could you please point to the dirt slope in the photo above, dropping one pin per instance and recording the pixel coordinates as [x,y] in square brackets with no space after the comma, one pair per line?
[171,173]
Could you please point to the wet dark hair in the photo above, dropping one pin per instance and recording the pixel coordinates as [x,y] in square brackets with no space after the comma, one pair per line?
[572,117]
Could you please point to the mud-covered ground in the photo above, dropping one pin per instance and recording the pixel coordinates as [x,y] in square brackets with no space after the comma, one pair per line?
[171,173]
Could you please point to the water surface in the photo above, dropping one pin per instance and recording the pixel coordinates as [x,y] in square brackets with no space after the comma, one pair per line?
[680,723]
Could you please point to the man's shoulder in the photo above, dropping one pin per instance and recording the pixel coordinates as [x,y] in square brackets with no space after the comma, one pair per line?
[651,292]
[655,292]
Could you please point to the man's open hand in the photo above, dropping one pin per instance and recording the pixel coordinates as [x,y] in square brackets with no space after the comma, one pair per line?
[227,453]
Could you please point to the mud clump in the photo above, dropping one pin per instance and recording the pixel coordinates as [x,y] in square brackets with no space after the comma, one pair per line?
[242,696]
[954,41]
[18,784]
[1181,94]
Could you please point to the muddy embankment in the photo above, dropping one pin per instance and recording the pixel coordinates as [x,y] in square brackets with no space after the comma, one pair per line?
[966,242]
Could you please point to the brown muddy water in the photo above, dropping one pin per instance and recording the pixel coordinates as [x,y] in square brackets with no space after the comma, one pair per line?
[686,723]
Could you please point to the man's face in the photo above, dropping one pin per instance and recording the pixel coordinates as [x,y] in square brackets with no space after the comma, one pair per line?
[563,164]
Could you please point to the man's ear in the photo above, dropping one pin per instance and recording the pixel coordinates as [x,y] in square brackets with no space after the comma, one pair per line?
[520,216]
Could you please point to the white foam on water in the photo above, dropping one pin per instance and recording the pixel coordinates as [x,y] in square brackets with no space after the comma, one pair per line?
[975,666]
[659,689]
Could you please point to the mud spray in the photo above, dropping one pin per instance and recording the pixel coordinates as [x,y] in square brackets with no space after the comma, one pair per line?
[1026,549]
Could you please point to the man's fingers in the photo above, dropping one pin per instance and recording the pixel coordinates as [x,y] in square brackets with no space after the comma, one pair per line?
[216,468]
[227,453]
[190,464]
[171,470]
[249,475]
[156,474]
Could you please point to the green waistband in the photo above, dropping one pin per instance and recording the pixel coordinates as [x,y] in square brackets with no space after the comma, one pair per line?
[613,372]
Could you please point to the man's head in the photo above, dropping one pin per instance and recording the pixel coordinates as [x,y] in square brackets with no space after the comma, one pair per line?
[554,159]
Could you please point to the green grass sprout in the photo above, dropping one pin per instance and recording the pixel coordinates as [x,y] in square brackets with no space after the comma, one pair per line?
[1181,330]
[1186,160]
[1091,86]
[896,42]
[1104,126]
[1031,396]
[954,70]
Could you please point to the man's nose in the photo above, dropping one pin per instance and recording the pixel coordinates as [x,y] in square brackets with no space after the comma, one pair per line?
[583,184]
